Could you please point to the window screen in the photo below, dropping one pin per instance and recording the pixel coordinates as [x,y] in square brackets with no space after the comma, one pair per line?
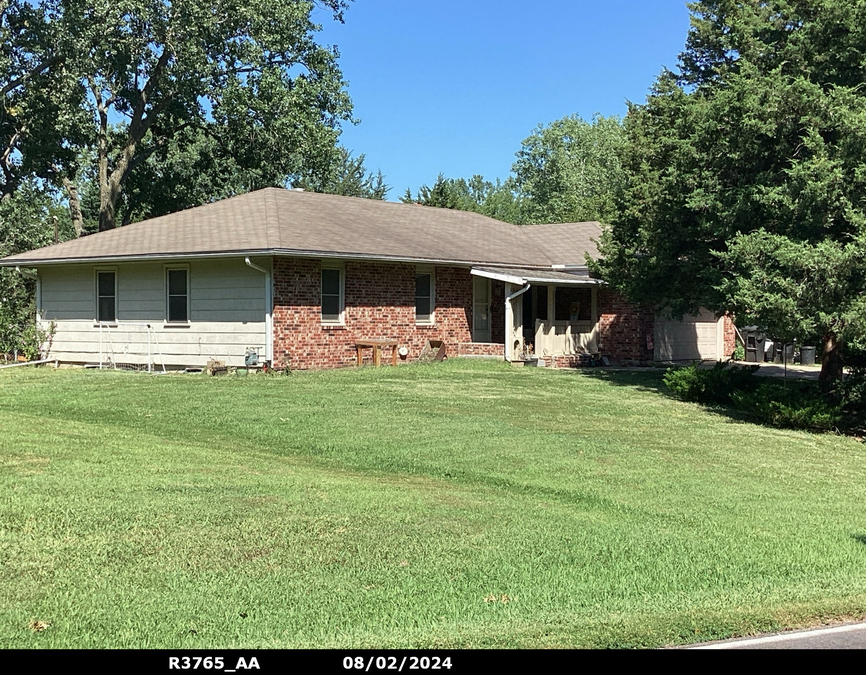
[423,297]
[106,298]
[178,300]
[331,296]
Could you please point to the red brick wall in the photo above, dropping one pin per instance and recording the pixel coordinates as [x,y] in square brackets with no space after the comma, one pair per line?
[623,327]
[571,361]
[379,303]
[730,336]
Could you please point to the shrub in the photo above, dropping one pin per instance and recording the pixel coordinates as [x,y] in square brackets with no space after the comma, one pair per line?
[790,407]
[852,399]
[710,386]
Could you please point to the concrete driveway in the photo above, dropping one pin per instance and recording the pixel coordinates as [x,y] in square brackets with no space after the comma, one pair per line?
[795,372]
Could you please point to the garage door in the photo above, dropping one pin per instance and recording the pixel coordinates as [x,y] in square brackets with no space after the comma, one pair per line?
[693,338]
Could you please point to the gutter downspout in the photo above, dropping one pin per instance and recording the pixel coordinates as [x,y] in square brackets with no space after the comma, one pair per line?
[269,309]
[509,320]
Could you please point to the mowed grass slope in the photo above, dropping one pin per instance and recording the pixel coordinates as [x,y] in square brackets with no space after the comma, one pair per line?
[453,505]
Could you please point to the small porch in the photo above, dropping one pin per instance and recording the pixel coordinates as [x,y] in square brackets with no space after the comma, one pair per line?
[547,313]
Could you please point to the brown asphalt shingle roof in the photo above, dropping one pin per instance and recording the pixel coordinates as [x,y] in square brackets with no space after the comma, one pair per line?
[279,221]
[566,243]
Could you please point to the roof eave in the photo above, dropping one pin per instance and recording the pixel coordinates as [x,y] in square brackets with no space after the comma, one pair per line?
[300,253]
[523,279]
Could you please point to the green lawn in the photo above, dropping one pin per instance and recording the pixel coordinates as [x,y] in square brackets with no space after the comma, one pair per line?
[460,504]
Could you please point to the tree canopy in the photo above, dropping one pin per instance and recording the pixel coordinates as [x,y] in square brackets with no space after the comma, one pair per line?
[567,171]
[496,200]
[208,98]
[27,221]
[347,176]
[570,170]
[747,174]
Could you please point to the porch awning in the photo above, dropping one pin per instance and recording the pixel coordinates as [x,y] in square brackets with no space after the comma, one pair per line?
[525,276]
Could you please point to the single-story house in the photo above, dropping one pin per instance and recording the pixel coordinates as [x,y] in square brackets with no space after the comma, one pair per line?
[299,278]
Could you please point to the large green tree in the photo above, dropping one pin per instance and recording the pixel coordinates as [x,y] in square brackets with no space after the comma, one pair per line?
[570,170]
[747,174]
[567,171]
[42,122]
[240,88]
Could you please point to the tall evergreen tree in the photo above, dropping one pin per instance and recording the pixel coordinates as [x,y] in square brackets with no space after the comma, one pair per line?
[496,200]
[747,174]
[346,175]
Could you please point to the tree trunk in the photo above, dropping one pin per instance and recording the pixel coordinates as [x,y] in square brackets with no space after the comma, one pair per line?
[831,364]
[106,212]
[74,206]
[11,181]
[110,186]
[110,192]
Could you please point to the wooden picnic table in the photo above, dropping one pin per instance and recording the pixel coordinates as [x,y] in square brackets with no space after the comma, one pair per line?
[377,350]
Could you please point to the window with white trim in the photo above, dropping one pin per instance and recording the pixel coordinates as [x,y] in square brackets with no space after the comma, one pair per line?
[106,296]
[332,295]
[424,295]
[177,294]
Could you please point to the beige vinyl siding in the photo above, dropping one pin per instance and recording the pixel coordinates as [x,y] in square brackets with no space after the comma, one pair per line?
[141,292]
[68,293]
[227,313]
[216,295]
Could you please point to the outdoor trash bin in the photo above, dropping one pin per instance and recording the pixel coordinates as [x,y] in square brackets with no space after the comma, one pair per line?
[807,356]
[783,357]
[754,345]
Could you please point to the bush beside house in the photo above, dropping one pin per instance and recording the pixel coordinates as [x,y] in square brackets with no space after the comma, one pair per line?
[791,405]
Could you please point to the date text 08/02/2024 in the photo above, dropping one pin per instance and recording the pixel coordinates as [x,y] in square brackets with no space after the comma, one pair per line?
[378,663]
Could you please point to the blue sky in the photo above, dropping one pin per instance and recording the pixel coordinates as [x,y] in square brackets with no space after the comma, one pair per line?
[454,87]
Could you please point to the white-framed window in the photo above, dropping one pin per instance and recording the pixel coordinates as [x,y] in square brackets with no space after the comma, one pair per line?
[177,294]
[425,294]
[333,293]
[106,295]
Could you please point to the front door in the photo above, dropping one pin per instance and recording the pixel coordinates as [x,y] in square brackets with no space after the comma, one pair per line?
[481,310]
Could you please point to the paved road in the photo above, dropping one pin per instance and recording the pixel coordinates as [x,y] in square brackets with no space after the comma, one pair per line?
[849,636]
